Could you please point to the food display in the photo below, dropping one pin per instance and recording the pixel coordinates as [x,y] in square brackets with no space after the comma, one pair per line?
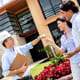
[55,71]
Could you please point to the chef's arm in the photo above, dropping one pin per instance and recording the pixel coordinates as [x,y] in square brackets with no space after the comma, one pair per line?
[34,42]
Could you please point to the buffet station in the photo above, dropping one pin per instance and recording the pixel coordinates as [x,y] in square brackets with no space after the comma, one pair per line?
[55,67]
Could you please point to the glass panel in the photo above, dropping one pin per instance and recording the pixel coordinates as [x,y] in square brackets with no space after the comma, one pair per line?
[8,22]
[55,32]
[3,16]
[25,21]
[4,21]
[50,7]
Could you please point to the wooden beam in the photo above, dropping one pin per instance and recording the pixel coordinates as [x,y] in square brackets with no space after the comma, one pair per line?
[21,10]
[51,19]
[39,20]
[14,5]
[29,33]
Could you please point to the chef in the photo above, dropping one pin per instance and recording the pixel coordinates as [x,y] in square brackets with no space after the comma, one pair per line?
[11,52]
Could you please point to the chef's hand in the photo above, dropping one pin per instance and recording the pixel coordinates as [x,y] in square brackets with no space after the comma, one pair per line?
[23,69]
[34,42]
[49,40]
[42,36]
[17,71]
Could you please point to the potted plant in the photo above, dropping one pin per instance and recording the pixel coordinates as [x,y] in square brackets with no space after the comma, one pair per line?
[49,50]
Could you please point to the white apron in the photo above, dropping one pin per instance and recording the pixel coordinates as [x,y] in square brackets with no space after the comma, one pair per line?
[75,68]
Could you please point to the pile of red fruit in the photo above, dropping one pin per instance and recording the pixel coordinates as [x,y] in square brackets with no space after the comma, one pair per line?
[55,71]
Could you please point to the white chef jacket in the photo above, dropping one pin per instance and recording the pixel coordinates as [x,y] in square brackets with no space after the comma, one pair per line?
[10,55]
[67,43]
[75,20]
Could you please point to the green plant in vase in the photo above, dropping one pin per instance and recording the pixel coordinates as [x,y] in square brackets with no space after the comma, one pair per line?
[58,59]
[48,50]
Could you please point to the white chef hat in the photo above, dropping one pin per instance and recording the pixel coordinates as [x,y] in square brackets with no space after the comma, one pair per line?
[4,35]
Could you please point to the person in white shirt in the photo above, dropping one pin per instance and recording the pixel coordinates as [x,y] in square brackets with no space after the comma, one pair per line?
[10,53]
[67,42]
[71,12]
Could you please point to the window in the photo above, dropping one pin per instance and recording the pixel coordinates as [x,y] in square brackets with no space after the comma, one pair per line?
[8,22]
[56,33]
[26,21]
[50,7]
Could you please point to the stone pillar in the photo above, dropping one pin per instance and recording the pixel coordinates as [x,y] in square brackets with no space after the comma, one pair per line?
[39,19]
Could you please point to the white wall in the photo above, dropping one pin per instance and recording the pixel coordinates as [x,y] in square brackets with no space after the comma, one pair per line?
[3,2]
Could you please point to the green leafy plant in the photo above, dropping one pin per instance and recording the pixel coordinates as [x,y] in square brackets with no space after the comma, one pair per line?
[48,50]
[53,57]
[58,59]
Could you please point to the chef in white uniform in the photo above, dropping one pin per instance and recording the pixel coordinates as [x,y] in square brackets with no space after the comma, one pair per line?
[10,53]
[71,12]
